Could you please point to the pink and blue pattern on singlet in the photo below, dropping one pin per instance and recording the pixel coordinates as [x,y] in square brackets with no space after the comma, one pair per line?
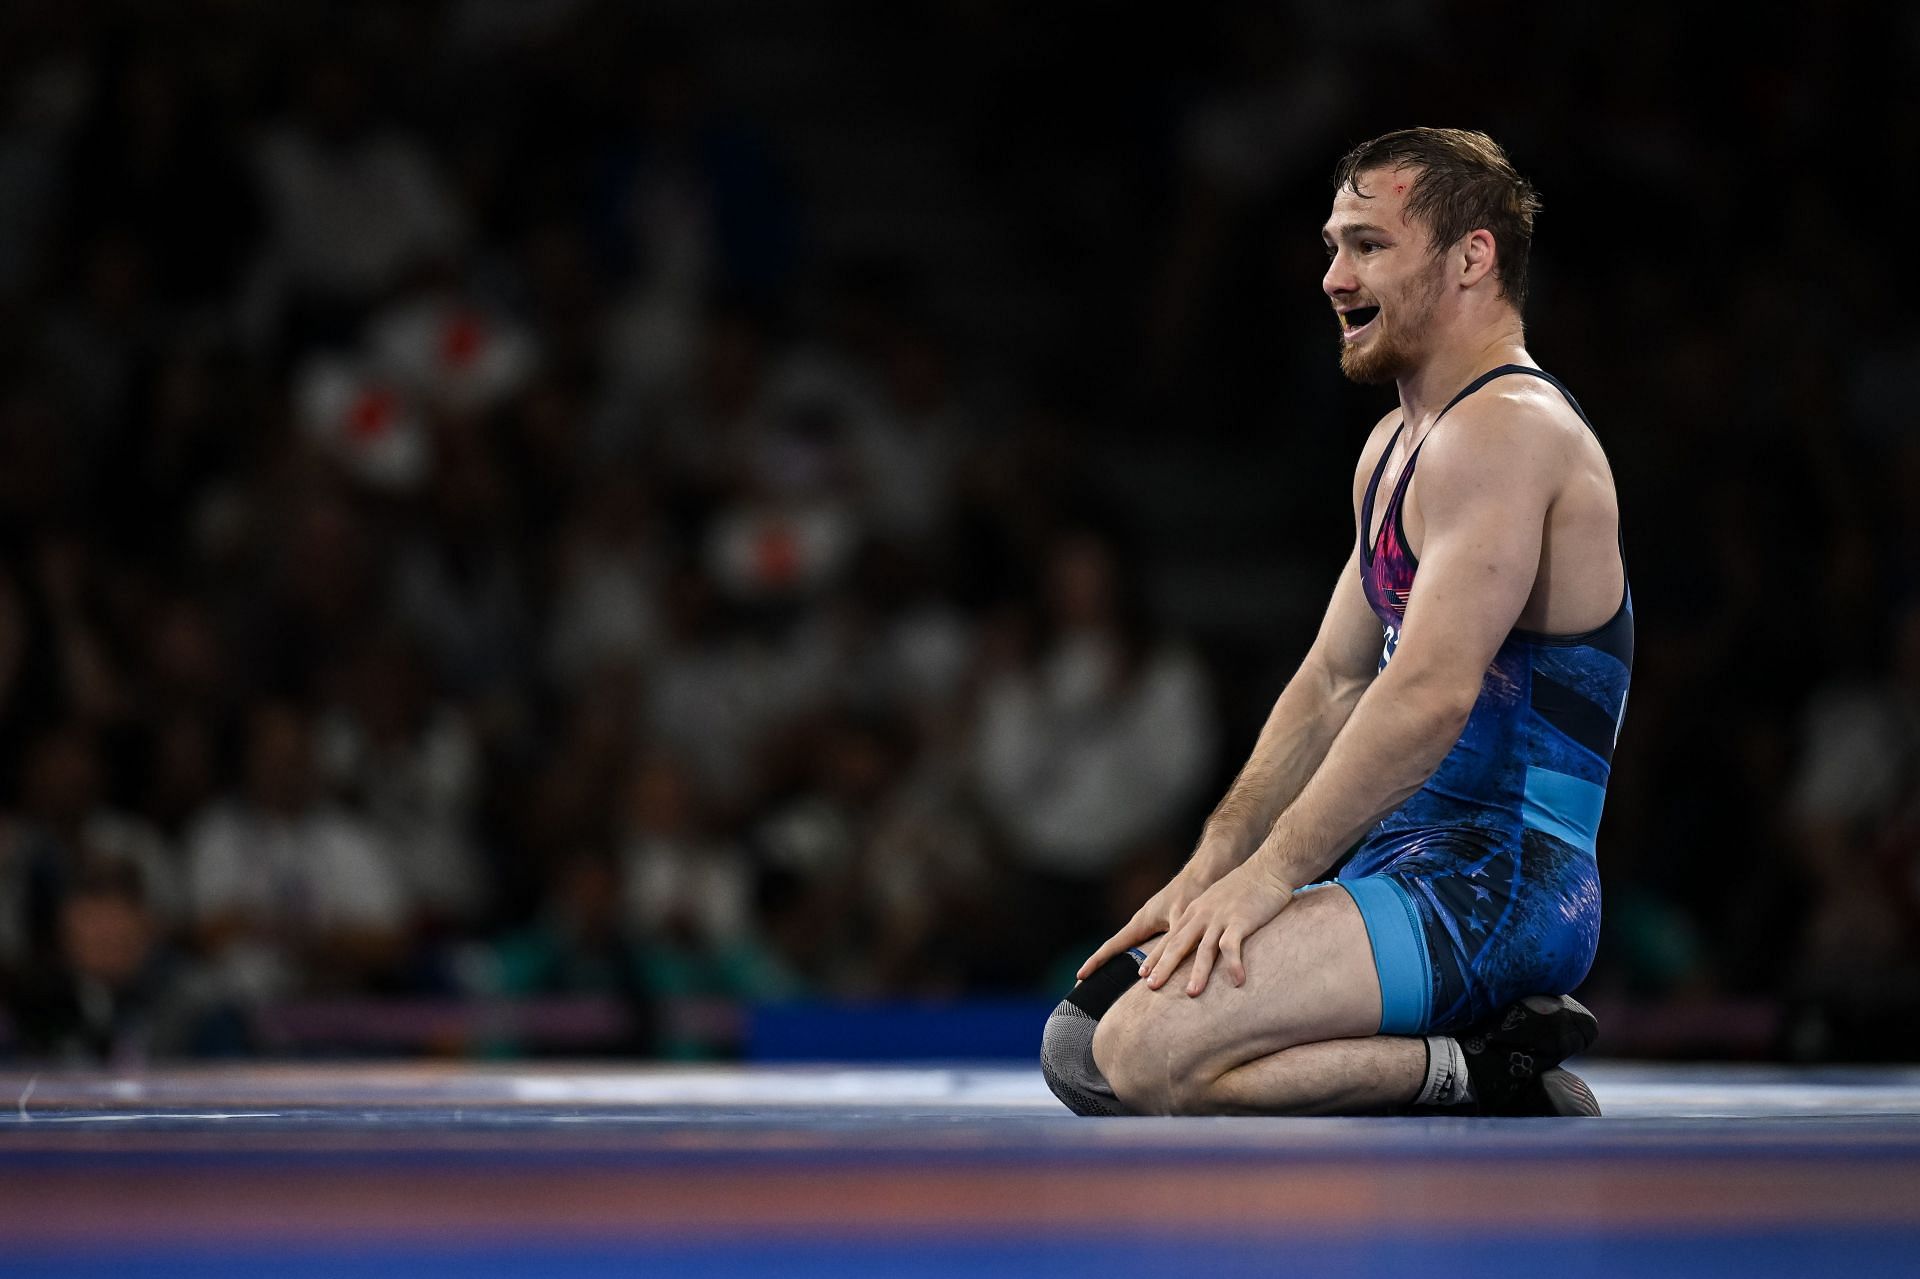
[1495,853]
[1387,566]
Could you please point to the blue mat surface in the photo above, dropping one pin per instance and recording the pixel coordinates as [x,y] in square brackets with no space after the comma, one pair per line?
[370,1170]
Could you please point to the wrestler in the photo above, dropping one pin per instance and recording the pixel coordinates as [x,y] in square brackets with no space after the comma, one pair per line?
[1388,906]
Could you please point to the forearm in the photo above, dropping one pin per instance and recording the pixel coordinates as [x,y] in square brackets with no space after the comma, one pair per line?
[1303,725]
[1396,737]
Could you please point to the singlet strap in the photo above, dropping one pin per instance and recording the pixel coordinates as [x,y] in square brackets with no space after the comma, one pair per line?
[1481,381]
[1373,487]
[1529,371]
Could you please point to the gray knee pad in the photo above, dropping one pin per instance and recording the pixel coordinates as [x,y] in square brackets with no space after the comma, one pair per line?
[1066,1059]
[1066,1048]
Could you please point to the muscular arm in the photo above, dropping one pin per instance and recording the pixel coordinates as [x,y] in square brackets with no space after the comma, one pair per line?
[1485,485]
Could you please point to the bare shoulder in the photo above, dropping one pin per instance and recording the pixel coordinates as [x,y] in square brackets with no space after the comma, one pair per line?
[1518,434]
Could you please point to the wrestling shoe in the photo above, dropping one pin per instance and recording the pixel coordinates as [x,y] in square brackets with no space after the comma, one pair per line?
[1558,1092]
[1511,1059]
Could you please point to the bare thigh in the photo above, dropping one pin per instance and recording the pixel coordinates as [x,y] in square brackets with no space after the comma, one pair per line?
[1310,977]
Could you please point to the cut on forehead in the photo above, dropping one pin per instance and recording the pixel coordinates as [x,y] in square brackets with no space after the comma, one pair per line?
[1366,203]
[1380,179]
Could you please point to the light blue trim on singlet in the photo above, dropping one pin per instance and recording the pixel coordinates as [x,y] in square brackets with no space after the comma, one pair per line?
[1399,953]
[1563,806]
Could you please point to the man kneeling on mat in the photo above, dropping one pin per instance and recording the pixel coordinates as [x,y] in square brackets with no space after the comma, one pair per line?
[1443,749]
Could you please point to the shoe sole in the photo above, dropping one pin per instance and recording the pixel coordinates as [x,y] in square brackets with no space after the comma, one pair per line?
[1567,1094]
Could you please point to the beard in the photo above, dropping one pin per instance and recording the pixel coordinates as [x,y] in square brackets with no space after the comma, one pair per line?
[1395,351]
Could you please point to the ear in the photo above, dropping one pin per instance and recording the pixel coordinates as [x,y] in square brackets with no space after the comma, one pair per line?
[1477,256]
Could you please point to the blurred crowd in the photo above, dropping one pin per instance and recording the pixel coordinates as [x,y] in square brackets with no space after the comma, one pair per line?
[461,535]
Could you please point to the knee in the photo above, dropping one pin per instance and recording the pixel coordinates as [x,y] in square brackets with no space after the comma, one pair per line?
[1117,1052]
[1141,1061]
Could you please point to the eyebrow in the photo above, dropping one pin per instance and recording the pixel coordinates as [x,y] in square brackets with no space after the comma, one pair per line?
[1351,228]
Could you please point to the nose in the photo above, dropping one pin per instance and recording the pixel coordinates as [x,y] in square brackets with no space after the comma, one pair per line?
[1339,278]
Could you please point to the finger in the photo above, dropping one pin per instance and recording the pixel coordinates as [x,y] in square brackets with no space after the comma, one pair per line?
[1153,953]
[1173,949]
[1231,958]
[1181,936]
[1203,957]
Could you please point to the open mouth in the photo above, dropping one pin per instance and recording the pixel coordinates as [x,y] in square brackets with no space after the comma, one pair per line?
[1358,318]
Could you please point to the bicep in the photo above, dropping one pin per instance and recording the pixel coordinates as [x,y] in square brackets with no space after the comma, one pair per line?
[1478,562]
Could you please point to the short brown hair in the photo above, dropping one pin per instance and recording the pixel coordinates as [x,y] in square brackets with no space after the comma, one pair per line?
[1465,183]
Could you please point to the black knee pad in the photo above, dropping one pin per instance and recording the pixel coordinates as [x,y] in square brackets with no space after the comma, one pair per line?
[1066,1048]
[1109,981]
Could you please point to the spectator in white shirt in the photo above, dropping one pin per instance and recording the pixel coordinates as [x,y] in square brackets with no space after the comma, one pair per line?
[1091,748]
[287,895]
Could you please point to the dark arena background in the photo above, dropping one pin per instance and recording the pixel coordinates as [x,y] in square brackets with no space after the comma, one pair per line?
[600,601]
